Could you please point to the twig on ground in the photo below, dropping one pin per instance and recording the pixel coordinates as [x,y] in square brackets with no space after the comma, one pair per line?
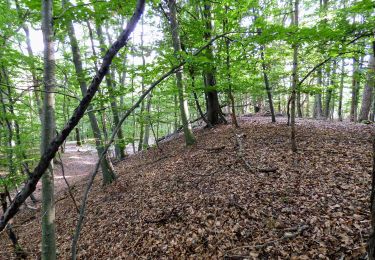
[164,219]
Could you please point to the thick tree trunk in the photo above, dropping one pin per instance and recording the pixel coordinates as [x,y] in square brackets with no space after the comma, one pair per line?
[214,114]
[371,242]
[48,133]
[369,88]
[107,169]
[189,137]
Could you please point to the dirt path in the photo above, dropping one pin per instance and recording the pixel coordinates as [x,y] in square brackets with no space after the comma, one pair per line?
[78,163]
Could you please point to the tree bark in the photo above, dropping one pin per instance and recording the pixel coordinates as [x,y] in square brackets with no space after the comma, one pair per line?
[78,137]
[369,88]
[48,133]
[318,108]
[341,90]
[231,102]
[371,242]
[355,88]
[188,133]
[148,121]
[141,112]
[267,85]
[331,82]
[294,83]
[214,113]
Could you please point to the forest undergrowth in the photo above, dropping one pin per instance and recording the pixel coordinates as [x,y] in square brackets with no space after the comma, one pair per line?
[236,194]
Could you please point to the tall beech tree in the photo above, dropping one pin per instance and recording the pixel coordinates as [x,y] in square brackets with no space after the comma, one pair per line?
[184,111]
[367,97]
[214,113]
[107,168]
[294,82]
[48,133]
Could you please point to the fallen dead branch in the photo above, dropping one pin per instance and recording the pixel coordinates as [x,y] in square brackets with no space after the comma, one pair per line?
[173,213]
[215,149]
[241,155]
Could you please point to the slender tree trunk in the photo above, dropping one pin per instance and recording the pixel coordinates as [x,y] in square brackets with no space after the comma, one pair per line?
[341,90]
[120,143]
[13,128]
[32,65]
[231,103]
[294,83]
[9,127]
[48,133]
[196,99]
[369,88]
[148,121]
[299,105]
[318,108]
[141,113]
[355,87]
[189,136]
[102,112]
[175,121]
[307,113]
[267,84]
[78,137]
[106,165]
[331,83]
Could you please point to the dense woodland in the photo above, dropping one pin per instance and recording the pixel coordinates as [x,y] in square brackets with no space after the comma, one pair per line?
[266,89]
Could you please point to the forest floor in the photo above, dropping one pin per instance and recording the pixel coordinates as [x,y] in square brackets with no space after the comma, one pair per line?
[78,163]
[204,202]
